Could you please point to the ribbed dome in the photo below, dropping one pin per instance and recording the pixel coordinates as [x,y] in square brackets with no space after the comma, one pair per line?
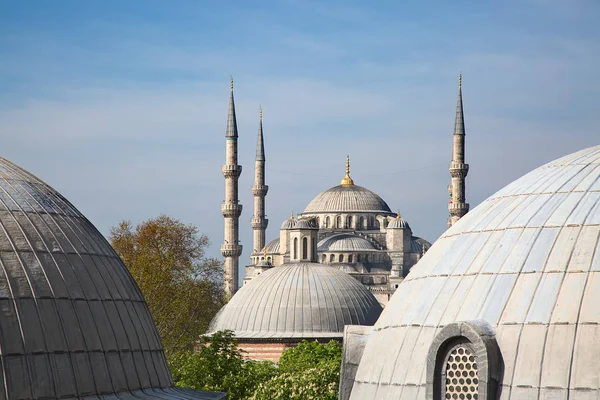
[306,224]
[273,246]
[398,223]
[351,198]
[73,322]
[288,223]
[345,242]
[526,261]
[297,300]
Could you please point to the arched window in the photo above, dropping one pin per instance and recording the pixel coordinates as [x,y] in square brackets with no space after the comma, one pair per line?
[366,258]
[323,258]
[341,258]
[361,222]
[338,222]
[326,222]
[304,248]
[318,221]
[358,258]
[463,362]
[376,223]
[268,258]
[331,258]
[314,249]
[350,258]
[349,221]
[295,255]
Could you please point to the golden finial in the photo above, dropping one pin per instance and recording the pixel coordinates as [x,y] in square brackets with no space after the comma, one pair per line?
[460,80]
[265,252]
[231,82]
[347,181]
[398,214]
[260,112]
[292,215]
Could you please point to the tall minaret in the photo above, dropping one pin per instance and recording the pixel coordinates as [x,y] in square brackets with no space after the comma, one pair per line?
[231,208]
[259,189]
[458,206]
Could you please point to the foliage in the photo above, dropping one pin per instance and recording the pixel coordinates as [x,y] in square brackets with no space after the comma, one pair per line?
[182,287]
[219,365]
[308,371]
[307,355]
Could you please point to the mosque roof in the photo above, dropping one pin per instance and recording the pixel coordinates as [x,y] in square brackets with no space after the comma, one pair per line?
[526,261]
[349,198]
[345,242]
[73,322]
[273,246]
[398,223]
[297,300]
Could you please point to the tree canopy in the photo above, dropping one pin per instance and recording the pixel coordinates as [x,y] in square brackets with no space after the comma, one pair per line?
[183,288]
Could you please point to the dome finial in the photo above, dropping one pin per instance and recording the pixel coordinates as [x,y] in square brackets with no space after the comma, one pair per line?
[398,214]
[265,252]
[347,181]
[292,215]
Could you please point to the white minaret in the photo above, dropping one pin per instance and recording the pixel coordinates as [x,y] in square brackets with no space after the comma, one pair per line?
[458,206]
[259,190]
[231,208]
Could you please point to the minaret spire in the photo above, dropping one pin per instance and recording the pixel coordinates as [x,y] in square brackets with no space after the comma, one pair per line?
[347,181]
[458,206]
[231,209]
[259,190]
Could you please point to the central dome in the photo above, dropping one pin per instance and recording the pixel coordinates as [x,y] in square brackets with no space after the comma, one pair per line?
[347,198]
[298,300]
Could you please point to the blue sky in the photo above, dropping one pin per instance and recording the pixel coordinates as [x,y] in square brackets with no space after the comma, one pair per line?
[121,105]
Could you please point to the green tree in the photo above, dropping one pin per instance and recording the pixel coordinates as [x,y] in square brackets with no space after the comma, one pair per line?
[219,365]
[181,285]
[309,371]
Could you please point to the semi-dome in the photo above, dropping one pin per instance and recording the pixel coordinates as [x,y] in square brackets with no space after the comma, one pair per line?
[345,242]
[273,246]
[73,322]
[525,267]
[347,198]
[289,223]
[297,300]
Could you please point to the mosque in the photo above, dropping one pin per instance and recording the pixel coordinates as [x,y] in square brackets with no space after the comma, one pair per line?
[357,232]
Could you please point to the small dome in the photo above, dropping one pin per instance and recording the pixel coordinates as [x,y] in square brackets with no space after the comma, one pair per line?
[345,242]
[306,224]
[73,322]
[526,261]
[297,300]
[352,198]
[273,246]
[289,223]
[398,223]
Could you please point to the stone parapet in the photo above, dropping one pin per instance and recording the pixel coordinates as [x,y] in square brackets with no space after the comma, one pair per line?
[260,190]
[231,250]
[458,209]
[458,170]
[231,171]
[259,223]
[230,210]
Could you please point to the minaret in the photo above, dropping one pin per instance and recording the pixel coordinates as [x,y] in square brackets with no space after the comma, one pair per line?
[259,190]
[458,206]
[231,209]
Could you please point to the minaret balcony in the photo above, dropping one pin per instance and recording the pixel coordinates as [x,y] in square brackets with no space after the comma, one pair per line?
[458,209]
[458,170]
[231,171]
[230,210]
[231,250]
[259,223]
[260,190]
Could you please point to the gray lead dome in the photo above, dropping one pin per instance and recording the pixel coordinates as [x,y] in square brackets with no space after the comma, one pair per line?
[298,300]
[526,261]
[73,322]
[351,198]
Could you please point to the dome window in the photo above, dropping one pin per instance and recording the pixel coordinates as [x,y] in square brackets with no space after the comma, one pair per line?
[464,362]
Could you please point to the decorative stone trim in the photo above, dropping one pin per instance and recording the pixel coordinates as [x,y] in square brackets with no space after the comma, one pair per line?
[480,339]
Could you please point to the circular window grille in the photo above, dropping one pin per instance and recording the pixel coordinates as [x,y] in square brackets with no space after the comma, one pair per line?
[462,380]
